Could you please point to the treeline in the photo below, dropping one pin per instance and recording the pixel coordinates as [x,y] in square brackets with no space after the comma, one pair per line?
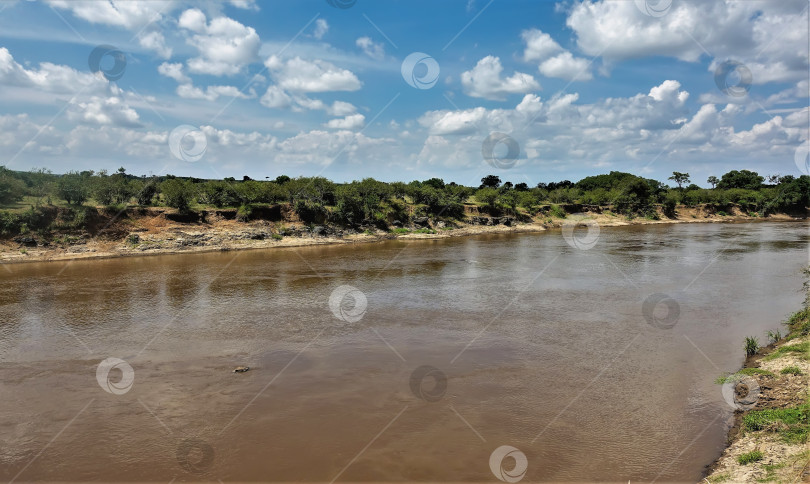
[369,201]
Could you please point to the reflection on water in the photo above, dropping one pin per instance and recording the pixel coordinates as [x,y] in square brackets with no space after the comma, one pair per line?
[535,345]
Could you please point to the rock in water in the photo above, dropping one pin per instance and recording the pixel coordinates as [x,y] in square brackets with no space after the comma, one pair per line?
[241,369]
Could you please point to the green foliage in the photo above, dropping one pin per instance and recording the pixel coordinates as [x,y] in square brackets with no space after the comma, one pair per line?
[556,211]
[679,178]
[487,197]
[792,424]
[178,193]
[750,457]
[490,181]
[741,179]
[73,188]
[743,372]
[802,349]
[751,345]
[12,189]
[792,370]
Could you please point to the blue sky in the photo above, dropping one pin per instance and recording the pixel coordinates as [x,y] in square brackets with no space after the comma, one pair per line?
[304,88]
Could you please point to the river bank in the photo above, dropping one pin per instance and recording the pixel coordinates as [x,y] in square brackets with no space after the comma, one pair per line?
[163,232]
[769,439]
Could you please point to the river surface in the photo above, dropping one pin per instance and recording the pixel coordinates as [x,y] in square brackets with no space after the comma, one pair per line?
[529,342]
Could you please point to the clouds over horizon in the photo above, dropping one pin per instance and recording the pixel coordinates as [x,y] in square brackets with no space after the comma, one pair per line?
[337,90]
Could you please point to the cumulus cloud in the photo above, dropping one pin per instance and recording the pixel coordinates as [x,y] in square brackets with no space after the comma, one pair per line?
[485,81]
[104,110]
[48,77]
[174,71]
[225,45]
[553,60]
[353,121]
[301,75]
[769,37]
[210,93]
[370,48]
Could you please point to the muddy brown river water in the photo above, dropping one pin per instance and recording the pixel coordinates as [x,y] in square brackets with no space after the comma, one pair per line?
[465,345]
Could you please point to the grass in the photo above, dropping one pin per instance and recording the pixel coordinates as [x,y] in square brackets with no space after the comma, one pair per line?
[751,345]
[799,322]
[787,349]
[791,424]
[401,231]
[750,457]
[792,370]
[556,211]
[719,478]
[424,231]
[277,236]
[744,371]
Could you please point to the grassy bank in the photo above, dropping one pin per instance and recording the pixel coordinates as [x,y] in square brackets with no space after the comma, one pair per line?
[769,441]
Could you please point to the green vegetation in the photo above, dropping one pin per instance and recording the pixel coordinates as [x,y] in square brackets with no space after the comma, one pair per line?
[791,424]
[745,372]
[751,345]
[802,349]
[750,457]
[27,199]
[792,370]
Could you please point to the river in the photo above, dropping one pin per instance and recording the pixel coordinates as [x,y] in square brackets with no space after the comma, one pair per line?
[432,355]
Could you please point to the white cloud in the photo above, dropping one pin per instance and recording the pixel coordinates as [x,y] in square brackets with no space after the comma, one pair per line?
[107,111]
[554,61]
[174,71]
[49,77]
[225,45]
[565,66]
[353,121]
[484,81]
[769,37]
[301,75]
[211,93]
[275,97]
[370,48]
[120,13]
[321,28]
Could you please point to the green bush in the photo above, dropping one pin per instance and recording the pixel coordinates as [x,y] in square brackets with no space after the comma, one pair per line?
[556,211]
[178,193]
[751,346]
[750,457]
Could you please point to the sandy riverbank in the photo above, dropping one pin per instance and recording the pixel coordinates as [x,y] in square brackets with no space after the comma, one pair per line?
[769,439]
[159,235]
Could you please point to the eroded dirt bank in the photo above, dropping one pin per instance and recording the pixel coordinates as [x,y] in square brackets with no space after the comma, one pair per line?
[164,231]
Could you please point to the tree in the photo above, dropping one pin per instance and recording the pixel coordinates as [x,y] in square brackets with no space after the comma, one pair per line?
[491,181]
[282,179]
[713,181]
[522,187]
[11,188]
[178,193]
[487,196]
[679,178]
[436,183]
[741,179]
[72,187]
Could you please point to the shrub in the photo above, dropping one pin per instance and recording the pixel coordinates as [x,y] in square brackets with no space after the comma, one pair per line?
[556,211]
[751,345]
[792,370]
[72,187]
[487,197]
[178,193]
[750,457]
